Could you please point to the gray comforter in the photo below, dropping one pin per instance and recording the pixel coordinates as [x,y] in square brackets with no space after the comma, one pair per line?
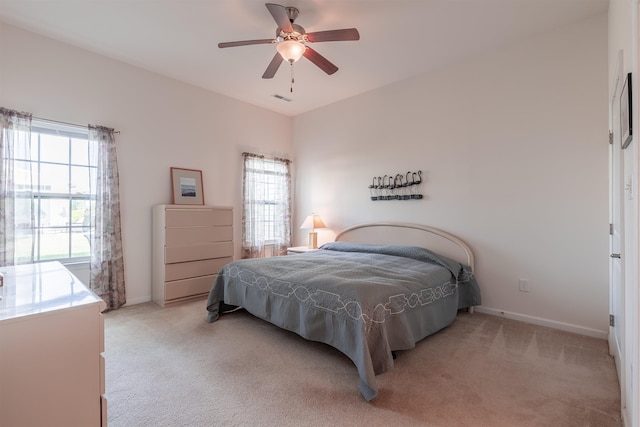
[364,300]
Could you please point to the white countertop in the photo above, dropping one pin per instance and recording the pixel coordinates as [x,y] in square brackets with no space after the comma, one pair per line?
[39,288]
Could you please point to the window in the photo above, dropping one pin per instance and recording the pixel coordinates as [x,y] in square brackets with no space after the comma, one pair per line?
[53,182]
[266,205]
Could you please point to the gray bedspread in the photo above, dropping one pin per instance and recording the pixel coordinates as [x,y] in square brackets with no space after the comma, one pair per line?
[364,300]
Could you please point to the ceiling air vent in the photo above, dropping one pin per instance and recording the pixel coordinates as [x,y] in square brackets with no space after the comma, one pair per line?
[283,98]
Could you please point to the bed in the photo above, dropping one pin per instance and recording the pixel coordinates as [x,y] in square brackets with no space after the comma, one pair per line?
[376,289]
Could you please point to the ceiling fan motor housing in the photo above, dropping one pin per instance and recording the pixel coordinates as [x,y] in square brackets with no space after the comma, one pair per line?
[298,34]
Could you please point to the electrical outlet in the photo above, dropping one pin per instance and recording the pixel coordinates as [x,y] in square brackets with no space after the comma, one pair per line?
[523,285]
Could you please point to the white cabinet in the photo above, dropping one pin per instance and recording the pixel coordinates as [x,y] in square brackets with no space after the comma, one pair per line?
[51,340]
[190,246]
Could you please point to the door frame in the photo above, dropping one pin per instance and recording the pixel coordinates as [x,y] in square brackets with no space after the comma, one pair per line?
[616,221]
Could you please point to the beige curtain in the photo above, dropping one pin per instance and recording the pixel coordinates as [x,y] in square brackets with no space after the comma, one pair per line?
[16,198]
[107,261]
[266,214]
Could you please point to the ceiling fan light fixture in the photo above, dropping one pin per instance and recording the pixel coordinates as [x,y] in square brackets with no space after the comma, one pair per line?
[292,41]
[290,50]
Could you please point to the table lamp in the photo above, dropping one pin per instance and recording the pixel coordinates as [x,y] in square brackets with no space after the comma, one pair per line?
[313,221]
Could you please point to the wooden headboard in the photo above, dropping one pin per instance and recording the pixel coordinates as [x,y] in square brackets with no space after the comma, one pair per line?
[392,233]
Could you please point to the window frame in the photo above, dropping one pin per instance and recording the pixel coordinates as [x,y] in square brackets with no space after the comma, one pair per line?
[274,204]
[38,196]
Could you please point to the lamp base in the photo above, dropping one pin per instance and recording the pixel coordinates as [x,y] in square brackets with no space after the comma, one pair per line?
[313,240]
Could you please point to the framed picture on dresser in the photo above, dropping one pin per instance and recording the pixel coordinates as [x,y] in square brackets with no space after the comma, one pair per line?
[186,187]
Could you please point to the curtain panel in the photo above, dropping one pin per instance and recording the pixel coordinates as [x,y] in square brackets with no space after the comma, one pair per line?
[266,206]
[107,260]
[17,212]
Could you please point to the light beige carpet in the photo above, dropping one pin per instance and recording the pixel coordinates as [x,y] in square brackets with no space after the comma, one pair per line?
[168,367]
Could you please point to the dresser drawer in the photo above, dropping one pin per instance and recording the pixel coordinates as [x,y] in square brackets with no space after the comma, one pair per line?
[188,287]
[101,338]
[198,252]
[191,235]
[103,407]
[194,217]
[185,270]
[102,382]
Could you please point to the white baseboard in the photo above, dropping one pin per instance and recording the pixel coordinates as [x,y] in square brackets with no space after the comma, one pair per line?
[139,300]
[493,312]
[544,322]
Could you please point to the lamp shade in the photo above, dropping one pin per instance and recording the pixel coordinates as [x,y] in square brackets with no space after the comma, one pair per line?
[290,50]
[313,221]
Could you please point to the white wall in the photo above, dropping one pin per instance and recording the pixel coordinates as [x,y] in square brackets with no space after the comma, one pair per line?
[163,123]
[513,146]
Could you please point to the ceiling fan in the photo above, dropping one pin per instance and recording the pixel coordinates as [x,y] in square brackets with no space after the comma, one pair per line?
[292,41]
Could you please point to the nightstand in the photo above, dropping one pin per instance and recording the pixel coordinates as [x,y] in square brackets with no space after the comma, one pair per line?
[299,250]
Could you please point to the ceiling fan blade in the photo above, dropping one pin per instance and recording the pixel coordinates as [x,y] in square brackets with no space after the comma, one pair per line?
[334,35]
[281,17]
[273,67]
[245,43]
[322,62]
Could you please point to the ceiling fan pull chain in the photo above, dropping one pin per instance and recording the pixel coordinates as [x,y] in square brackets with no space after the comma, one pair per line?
[292,80]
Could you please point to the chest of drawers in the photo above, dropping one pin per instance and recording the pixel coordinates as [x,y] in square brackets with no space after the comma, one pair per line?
[51,340]
[190,246]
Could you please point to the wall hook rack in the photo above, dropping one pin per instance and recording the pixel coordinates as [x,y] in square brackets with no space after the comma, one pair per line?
[396,187]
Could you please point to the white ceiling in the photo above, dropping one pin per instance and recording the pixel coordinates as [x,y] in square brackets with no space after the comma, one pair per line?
[398,39]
